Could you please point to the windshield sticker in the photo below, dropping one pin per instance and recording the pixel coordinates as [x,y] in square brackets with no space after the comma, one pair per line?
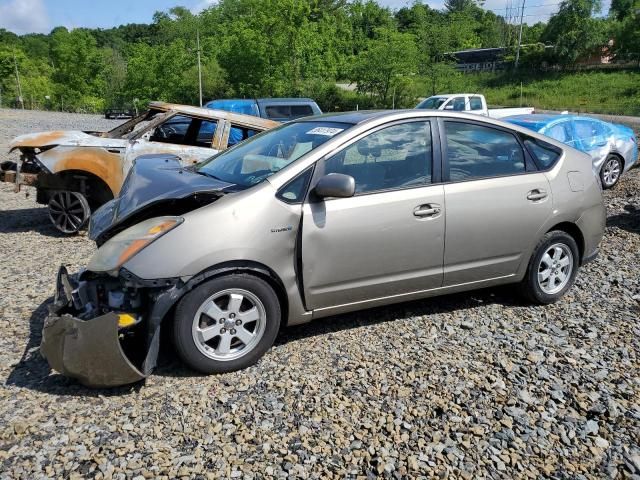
[326,131]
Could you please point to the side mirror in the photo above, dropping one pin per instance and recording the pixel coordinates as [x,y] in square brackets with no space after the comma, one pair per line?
[448,107]
[335,185]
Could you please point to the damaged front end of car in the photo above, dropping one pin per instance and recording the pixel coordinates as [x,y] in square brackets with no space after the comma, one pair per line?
[104,331]
[104,326]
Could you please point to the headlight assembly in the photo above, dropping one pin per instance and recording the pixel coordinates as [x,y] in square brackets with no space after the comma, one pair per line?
[119,249]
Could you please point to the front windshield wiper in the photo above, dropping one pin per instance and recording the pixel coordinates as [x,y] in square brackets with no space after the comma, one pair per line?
[200,172]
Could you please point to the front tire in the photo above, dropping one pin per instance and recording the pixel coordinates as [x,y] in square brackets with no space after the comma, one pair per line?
[611,171]
[552,269]
[226,324]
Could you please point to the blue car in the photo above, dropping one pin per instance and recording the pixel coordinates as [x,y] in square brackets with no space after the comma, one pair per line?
[613,147]
[278,109]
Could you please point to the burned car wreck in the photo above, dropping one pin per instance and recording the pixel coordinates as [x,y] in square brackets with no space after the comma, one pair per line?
[76,172]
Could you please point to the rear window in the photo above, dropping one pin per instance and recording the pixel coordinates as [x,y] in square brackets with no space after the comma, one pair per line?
[278,111]
[475,103]
[544,154]
[288,112]
[301,111]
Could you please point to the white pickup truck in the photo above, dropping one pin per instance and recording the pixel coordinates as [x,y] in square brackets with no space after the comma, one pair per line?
[470,102]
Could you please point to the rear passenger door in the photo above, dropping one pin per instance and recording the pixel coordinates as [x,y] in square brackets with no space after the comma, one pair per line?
[496,202]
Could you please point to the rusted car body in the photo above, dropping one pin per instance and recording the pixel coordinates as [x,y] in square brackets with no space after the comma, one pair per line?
[75,172]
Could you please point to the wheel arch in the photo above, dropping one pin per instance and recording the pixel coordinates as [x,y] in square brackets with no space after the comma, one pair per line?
[617,155]
[241,266]
[94,188]
[574,231]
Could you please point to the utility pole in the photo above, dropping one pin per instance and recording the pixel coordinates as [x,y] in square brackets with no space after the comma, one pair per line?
[15,62]
[520,35]
[199,67]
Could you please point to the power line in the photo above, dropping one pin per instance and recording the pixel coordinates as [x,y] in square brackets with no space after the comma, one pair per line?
[526,8]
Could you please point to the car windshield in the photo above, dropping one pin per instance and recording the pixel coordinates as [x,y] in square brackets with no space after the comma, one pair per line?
[432,103]
[259,157]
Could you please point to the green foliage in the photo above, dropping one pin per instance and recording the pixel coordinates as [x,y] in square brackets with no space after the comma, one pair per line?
[574,32]
[379,69]
[627,31]
[621,9]
[574,91]
[252,48]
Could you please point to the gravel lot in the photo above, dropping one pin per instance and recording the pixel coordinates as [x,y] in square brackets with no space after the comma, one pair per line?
[475,385]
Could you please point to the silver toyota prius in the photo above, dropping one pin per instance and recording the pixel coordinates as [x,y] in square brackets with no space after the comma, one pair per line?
[318,217]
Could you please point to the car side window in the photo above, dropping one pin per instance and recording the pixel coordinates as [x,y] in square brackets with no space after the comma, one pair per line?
[456,104]
[173,130]
[587,132]
[278,111]
[294,191]
[545,154]
[584,129]
[238,133]
[476,151]
[475,103]
[399,156]
[206,130]
[558,132]
[298,111]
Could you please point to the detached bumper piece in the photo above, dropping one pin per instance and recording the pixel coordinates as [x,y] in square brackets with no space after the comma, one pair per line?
[88,350]
[83,339]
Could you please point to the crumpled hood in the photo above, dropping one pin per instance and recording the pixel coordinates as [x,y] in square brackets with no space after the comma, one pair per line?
[156,185]
[73,138]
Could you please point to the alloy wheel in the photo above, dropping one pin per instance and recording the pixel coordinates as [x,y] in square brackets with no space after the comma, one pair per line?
[611,171]
[68,211]
[555,268]
[229,324]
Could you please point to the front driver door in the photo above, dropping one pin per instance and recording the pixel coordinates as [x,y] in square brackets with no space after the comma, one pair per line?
[386,240]
[189,138]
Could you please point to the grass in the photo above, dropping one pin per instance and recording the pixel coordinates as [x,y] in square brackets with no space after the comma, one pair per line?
[607,92]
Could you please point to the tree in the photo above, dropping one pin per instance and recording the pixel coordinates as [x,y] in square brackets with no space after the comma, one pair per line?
[574,32]
[627,34]
[389,57]
[77,66]
[458,5]
[620,9]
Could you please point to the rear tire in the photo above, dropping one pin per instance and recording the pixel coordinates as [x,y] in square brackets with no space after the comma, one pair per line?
[226,324]
[611,171]
[552,269]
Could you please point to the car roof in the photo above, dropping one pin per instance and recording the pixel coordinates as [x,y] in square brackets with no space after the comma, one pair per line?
[538,121]
[263,100]
[362,116]
[456,95]
[288,100]
[248,120]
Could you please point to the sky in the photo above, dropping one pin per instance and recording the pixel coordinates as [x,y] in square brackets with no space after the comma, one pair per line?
[25,16]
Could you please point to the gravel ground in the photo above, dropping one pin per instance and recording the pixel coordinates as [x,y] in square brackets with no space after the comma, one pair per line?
[474,385]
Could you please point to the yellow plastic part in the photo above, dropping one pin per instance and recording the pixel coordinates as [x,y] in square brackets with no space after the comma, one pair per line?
[126,320]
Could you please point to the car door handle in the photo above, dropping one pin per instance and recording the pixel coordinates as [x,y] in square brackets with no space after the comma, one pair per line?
[537,194]
[429,210]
